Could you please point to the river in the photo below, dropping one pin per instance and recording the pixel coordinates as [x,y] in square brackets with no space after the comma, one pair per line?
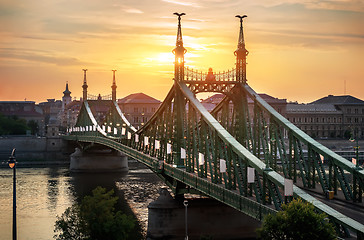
[43,193]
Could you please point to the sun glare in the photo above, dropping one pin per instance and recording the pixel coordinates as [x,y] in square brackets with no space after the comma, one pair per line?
[165,58]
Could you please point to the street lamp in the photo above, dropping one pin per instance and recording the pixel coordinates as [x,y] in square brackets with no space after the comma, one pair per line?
[185,203]
[12,164]
[356,149]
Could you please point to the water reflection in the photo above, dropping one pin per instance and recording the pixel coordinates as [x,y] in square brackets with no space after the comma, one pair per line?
[44,193]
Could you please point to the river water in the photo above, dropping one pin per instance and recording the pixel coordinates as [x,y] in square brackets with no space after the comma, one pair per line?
[44,193]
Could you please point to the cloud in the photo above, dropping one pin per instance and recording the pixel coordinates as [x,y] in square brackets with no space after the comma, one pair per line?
[32,55]
[133,10]
[183,3]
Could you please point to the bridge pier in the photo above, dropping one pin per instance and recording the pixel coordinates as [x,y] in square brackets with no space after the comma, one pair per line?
[104,160]
[207,218]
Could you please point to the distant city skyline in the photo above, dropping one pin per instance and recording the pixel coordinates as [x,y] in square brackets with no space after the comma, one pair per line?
[298,51]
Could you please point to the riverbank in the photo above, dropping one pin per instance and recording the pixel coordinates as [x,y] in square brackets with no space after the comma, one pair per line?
[42,163]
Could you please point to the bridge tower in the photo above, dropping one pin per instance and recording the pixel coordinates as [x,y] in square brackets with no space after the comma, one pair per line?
[179,109]
[241,54]
[84,86]
[113,87]
[179,52]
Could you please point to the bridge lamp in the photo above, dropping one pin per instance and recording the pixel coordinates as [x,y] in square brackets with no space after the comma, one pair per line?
[12,164]
[352,139]
[185,203]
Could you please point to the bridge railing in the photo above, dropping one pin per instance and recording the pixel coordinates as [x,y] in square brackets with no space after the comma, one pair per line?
[196,75]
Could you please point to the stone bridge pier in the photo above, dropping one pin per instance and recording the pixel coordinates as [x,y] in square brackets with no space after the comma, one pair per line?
[98,160]
[206,219]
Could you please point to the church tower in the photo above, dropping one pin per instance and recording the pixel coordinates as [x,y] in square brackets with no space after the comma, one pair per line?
[66,99]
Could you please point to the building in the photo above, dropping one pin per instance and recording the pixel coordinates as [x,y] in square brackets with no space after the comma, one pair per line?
[69,115]
[51,112]
[329,117]
[138,108]
[26,110]
[278,104]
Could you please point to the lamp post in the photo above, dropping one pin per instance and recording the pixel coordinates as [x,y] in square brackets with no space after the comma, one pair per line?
[185,203]
[12,164]
[356,149]
[357,190]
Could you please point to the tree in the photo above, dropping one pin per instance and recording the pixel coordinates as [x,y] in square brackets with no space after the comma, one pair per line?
[12,125]
[94,219]
[297,220]
[34,127]
[71,226]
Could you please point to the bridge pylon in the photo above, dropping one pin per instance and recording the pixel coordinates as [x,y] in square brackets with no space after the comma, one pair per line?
[241,54]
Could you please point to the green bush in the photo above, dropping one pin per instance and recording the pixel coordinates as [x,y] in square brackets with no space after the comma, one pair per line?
[94,219]
[297,220]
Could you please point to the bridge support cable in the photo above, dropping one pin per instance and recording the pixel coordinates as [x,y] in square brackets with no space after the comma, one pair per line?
[253,161]
[207,134]
[318,159]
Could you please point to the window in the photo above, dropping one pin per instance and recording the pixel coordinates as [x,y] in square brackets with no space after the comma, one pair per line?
[144,110]
[348,120]
[323,120]
[135,109]
[153,109]
[348,110]
[356,111]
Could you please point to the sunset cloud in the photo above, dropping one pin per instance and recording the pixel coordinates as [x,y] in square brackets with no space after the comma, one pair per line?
[291,43]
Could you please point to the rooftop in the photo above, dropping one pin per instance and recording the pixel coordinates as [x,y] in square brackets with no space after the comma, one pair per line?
[338,100]
[312,108]
[138,98]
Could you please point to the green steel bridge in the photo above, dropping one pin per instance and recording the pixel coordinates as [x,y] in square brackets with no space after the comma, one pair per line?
[243,156]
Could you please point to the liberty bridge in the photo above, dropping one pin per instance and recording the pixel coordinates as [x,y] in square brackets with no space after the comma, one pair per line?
[237,155]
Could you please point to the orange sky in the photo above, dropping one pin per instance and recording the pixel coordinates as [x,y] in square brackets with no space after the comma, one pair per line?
[299,51]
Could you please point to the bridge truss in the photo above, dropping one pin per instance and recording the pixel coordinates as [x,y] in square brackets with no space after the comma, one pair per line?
[237,154]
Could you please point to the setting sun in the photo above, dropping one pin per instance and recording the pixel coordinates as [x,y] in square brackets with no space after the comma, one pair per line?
[296,47]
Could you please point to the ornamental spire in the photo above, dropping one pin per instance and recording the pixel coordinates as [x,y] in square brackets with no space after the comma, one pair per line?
[241,54]
[179,52]
[113,87]
[179,41]
[84,86]
[241,42]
